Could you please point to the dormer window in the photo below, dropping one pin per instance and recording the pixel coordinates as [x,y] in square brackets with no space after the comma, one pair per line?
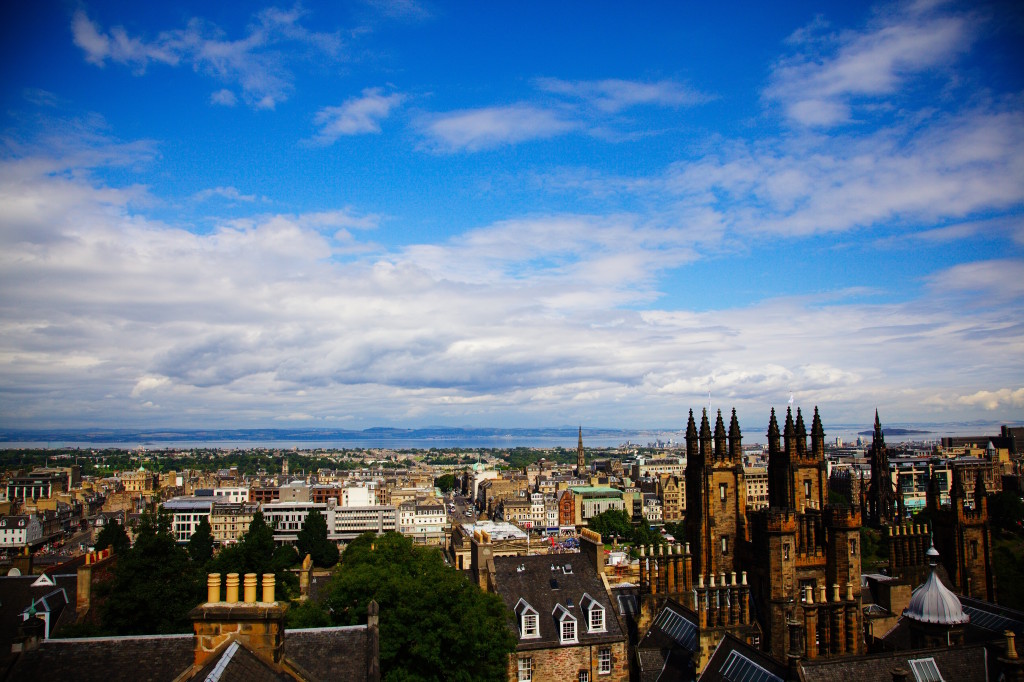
[530,625]
[566,624]
[529,620]
[594,613]
[596,619]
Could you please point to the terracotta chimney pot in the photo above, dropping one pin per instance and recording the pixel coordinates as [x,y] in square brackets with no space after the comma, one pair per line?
[268,588]
[213,588]
[231,594]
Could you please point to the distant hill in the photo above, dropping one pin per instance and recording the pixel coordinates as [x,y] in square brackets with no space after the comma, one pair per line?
[895,432]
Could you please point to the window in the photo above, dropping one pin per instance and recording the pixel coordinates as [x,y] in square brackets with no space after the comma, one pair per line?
[723,489]
[596,619]
[530,625]
[725,544]
[584,676]
[568,630]
[604,660]
[974,549]
[785,551]
[853,547]
[525,669]
[807,489]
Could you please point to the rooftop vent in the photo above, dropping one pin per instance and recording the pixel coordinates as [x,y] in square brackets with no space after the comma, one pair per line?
[567,569]
[554,584]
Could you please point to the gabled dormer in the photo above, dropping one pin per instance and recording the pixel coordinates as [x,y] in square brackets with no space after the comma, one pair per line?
[528,620]
[565,621]
[594,614]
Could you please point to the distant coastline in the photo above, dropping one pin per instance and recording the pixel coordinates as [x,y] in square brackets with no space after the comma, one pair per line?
[423,438]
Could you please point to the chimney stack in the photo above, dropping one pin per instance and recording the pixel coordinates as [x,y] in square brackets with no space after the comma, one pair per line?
[258,625]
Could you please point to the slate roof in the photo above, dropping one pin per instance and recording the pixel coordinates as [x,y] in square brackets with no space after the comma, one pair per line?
[236,664]
[156,658]
[16,595]
[736,661]
[959,664]
[338,653]
[666,649]
[544,582]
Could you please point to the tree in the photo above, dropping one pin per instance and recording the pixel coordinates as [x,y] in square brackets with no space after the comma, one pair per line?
[154,584]
[1006,509]
[113,535]
[200,545]
[445,482]
[312,540]
[434,623]
[612,522]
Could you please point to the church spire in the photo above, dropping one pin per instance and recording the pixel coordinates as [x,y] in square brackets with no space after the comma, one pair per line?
[581,460]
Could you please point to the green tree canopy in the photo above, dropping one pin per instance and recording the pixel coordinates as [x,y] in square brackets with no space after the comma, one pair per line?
[200,545]
[445,482]
[113,535]
[154,584]
[312,540]
[1006,509]
[434,624]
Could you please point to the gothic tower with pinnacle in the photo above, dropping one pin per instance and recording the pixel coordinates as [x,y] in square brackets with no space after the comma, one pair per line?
[881,500]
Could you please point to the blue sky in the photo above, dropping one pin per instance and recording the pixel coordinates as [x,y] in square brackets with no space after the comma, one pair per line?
[518,214]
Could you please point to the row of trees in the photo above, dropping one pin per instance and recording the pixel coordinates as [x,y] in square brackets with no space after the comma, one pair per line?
[156,581]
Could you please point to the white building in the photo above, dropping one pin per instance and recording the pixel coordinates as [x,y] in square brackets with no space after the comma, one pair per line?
[358,496]
[20,531]
[424,523]
[344,524]
[233,494]
[187,512]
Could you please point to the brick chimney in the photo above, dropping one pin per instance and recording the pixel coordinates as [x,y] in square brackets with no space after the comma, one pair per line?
[259,625]
[592,547]
[96,569]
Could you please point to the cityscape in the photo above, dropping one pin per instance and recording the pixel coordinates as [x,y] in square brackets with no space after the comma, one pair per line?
[398,340]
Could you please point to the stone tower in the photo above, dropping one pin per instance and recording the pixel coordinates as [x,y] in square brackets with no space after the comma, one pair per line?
[963,537]
[804,554]
[797,476]
[716,495]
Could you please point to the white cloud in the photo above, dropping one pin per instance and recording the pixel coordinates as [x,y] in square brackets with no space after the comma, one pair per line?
[224,97]
[821,86]
[950,168]
[476,129]
[614,95]
[993,400]
[255,63]
[228,193]
[991,282]
[357,115]
[538,320]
